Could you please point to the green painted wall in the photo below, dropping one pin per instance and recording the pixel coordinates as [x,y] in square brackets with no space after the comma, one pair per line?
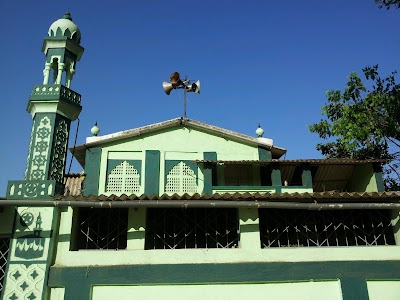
[210,173]
[92,171]
[152,172]
[79,281]
[387,290]
[364,179]
[169,144]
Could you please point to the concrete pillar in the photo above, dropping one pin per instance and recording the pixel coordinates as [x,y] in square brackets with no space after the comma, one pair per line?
[136,228]
[60,70]
[249,228]
[46,73]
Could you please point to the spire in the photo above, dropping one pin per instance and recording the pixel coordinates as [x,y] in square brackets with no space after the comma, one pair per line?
[67,15]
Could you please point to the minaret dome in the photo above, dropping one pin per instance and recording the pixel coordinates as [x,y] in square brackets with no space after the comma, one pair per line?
[65,27]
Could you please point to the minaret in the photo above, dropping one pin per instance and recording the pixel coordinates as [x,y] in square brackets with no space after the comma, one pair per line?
[53,105]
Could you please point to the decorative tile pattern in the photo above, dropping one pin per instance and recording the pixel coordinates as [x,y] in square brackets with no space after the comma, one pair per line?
[25,282]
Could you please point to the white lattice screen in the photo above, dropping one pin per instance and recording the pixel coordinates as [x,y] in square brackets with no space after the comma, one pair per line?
[124,178]
[181,179]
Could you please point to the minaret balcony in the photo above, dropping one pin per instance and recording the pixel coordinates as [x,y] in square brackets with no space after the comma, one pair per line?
[55,92]
[55,98]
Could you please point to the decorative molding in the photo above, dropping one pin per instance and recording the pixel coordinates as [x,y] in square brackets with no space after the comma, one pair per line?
[28,159]
[59,150]
[181,178]
[19,189]
[43,92]
[40,150]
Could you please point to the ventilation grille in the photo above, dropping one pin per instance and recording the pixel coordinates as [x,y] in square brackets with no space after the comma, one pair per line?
[181,179]
[124,179]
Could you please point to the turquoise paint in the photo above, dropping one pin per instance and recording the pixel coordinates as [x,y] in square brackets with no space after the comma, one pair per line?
[209,172]
[55,52]
[92,171]
[54,155]
[264,154]
[378,177]
[276,176]
[265,171]
[306,177]
[152,172]
[354,288]
[79,280]
[53,95]
[244,187]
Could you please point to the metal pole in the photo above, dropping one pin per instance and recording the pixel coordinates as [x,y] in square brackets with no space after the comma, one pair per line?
[184,102]
[199,203]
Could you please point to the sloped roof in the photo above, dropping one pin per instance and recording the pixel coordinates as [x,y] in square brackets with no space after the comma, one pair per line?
[73,184]
[311,161]
[79,151]
[307,197]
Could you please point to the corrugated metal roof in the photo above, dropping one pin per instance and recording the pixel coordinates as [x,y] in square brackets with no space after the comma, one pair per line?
[326,197]
[73,184]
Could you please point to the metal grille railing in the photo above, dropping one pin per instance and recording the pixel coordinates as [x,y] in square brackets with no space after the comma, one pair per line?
[304,228]
[171,228]
[4,249]
[102,228]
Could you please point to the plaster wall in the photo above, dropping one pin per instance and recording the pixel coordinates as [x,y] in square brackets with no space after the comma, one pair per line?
[363,179]
[249,250]
[329,290]
[179,143]
[57,294]
[388,290]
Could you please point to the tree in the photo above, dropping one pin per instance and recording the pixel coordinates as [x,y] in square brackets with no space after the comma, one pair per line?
[364,123]
[388,3]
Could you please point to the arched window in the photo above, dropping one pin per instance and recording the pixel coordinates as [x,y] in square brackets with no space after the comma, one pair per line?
[181,179]
[123,179]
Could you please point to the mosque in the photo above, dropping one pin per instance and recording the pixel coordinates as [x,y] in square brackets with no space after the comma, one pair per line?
[182,209]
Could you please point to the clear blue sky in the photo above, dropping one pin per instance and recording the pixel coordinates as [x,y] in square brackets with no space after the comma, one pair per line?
[258,61]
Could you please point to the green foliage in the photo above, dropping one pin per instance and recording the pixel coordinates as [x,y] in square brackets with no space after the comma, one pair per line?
[388,3]
[364,123]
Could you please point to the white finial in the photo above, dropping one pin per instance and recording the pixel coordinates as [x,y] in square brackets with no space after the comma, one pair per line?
[259,131]
[95,130]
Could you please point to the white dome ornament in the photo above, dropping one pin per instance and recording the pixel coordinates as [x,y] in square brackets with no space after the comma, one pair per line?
[95,130]
[65,27]
[259,131]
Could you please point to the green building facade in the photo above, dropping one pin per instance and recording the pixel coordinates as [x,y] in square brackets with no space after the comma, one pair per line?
[186,210]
